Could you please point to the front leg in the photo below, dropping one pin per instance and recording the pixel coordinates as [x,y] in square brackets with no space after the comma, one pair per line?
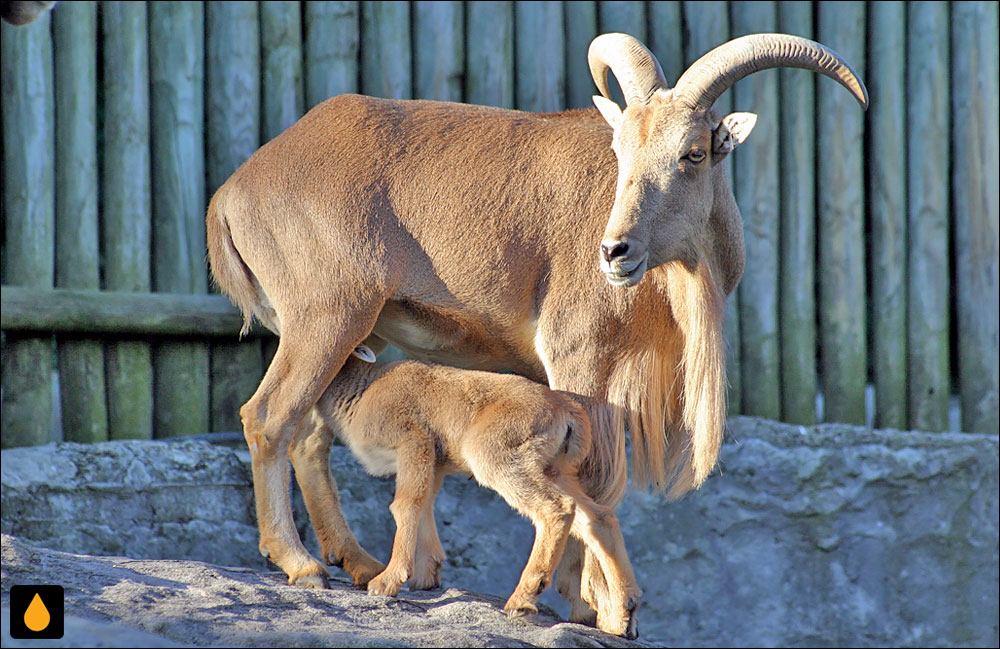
[310,455]
[430,555]
[414,481]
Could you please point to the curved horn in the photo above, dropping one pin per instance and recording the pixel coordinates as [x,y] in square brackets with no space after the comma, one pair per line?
[637,70]
[715,72]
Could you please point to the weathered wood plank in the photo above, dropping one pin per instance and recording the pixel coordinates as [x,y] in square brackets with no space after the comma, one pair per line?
[176,46]
[666,38]
[840,178]
[581,28]
[976,203]
[281,63]
[489,66]
[84,311]
[886,173]
[81,362]
[28,171]
[333,33]
[125,206]
[439,50]
[706,25]
[927,190]
[797,257]
[233,132]
[386,56]
[755,172]
[540,55]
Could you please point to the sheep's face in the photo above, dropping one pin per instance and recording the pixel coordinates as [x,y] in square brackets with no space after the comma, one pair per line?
[665,152]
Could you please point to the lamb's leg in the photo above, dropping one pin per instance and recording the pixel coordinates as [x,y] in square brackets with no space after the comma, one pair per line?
[430,555]
[310,454]
[607,568]
[568,579]
[414,481]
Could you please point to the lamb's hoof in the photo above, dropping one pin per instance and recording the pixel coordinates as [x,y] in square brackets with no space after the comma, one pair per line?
[624,624]
[311,581]
[363,569]
[519,606]
[383,585]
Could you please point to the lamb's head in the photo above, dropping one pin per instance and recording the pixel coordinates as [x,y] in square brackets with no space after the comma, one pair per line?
[668,142]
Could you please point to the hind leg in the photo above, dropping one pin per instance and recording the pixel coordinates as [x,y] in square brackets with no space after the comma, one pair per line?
[568,580]
[313,346]
[553,521]
[609,582]
[430,555]
[310,454]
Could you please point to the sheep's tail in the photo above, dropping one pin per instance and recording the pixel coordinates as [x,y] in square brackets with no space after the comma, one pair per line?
[229,272]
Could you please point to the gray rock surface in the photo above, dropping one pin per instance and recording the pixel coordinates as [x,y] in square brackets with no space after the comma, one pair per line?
[115,601]
[831,535]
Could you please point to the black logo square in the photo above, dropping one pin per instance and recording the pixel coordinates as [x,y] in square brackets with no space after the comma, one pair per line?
[36,612]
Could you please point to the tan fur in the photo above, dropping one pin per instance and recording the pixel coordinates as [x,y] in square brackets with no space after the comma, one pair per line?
[469,236]
[517,437]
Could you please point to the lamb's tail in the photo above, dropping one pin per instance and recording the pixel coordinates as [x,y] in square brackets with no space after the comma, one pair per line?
[576,423]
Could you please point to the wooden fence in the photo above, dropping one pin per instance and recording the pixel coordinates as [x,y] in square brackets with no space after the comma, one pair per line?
[872,238]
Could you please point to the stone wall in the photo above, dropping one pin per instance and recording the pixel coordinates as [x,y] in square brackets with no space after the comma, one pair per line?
[831,535]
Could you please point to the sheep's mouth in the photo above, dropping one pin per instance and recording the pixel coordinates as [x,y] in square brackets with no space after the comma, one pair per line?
[627,274]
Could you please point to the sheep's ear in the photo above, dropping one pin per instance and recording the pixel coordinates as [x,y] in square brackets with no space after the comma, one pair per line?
[364,353]
[732,131]
[610,110]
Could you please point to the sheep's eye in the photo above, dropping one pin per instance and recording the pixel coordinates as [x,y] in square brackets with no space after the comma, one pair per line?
[695,156]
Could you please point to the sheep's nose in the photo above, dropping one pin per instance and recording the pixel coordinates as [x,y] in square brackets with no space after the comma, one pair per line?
[614,249]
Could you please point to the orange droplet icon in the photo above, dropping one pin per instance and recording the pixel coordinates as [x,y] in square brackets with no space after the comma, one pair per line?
[37,616]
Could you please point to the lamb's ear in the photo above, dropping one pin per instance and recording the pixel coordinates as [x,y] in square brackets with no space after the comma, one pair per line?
[364,353]
[732,131]
[610,110]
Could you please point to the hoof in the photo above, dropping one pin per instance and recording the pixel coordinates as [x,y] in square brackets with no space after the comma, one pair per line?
[363,570]
[519,606]
[382,585]
[311,581]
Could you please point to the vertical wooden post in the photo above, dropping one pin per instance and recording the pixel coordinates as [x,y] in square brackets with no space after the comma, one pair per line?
[176,64]
[627,17]
[28,125]
[489,63]
[386,57]
[840,175]
[331,49]
[81,360]
[581,28]
[755,171]
[927,188]
[125,207]
[706,25]
[886,172]
[540,51]
[977,208]
[281,61]
[797,256]
[666,38]
[439,50]
[232,96]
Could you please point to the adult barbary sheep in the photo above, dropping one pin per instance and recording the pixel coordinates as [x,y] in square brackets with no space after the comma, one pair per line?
[422,422]
[468,236]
